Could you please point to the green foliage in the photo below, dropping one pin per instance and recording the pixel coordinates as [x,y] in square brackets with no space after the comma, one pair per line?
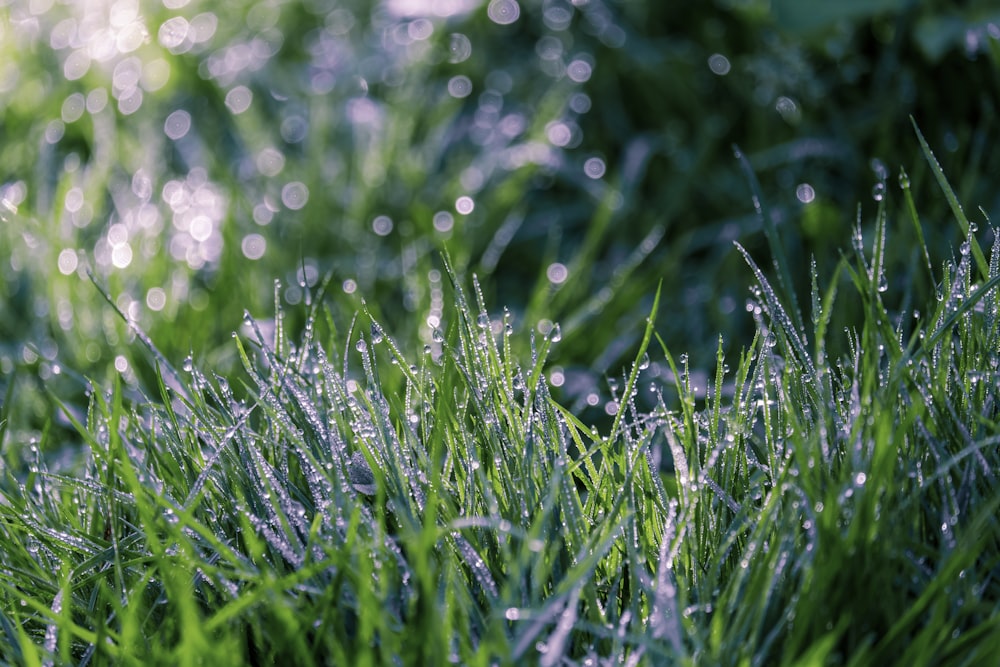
[346,502]
[350,101]
[381,468]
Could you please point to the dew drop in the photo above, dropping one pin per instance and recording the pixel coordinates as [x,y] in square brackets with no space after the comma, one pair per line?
[579,71]
[459,48]
[294,195]
[805,193]
[719,64]
[382,225]
[878,191]
[177,124]
[460,86]
[557,273]
[239,99]
[594,167]
[503,12]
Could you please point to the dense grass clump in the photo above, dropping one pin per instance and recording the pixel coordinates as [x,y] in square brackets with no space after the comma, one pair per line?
[383,468]
[342,503]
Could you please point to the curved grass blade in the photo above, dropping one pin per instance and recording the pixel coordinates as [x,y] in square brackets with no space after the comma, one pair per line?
[956,207]
[771,231]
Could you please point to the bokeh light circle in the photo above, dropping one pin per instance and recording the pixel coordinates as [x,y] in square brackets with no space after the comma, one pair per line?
[503,12]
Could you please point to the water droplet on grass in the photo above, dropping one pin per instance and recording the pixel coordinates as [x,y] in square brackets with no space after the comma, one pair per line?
[594,167]
[459,48]
[460,86]
[382,225]
[719,64]
[254,246]
[443,221]
[557,273]
[805,193]
[294,195]
[788,109]
[579,71]
[503,12]
[558,18]
[270,161]
[177,124]
[239,99]
[878,191]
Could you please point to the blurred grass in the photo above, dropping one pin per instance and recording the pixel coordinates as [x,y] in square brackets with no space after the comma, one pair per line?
[350,102]
[476,429]
[339,500]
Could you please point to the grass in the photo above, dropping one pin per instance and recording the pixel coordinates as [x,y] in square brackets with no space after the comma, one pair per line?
[486,436]
[90,169]
[339,501]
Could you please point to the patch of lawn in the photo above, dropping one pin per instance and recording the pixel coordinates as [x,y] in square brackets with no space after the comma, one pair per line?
[341,501]
[360,333]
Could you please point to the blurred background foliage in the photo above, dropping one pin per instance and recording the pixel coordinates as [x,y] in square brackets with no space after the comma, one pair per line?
[572,154]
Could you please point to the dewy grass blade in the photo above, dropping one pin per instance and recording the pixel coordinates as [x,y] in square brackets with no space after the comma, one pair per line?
[773,239]
[962,308]
[786,328]
[664,618]
[956,207]
[142,336]
[497,525]
[911,210]
[634,373]
[877,277]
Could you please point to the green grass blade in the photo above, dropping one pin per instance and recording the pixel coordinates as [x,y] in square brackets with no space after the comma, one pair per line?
[956,207]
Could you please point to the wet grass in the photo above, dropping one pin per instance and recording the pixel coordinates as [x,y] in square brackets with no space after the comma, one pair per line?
[189,153]
[343,501]
[465,425]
